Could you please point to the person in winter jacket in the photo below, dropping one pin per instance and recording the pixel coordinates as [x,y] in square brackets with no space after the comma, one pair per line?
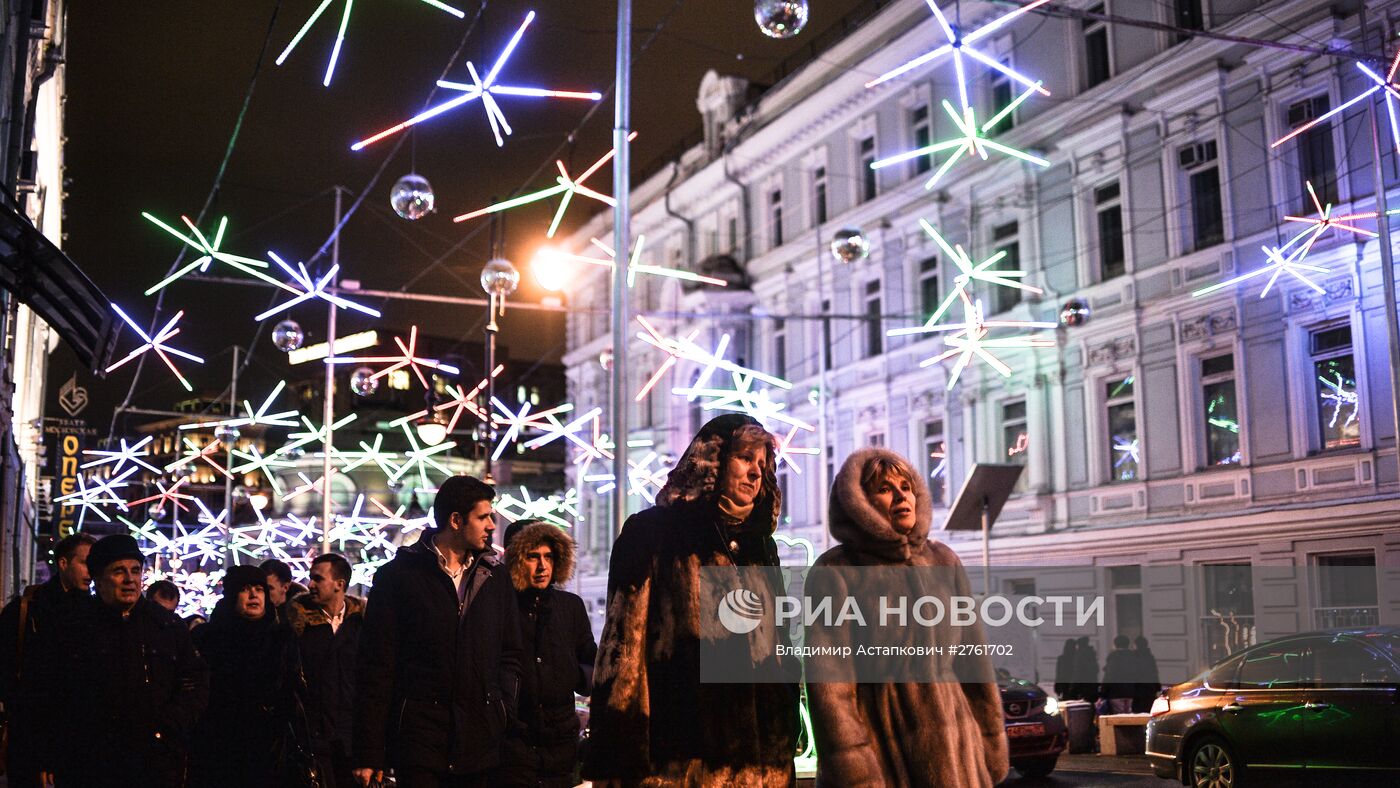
[133,686]
[652,721]
[27,657]
[327,622]
[1086,662]
[1065,671]
[438,672]
[946,732]
[281,588]
[1119,671]
[557,659]
[254,723]
[1148,679]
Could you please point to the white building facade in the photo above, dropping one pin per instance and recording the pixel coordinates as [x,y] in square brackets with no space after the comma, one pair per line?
[1228,430]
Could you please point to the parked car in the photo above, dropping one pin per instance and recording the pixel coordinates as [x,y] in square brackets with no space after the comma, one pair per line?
[1035,728]
[1314,701]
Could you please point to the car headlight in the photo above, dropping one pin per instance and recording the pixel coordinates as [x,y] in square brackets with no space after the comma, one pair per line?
[1052,705]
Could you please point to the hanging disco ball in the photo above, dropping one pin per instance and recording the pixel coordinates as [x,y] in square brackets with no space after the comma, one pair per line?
[850,246]
[288,336]
[605,359]
[412,197]
[499,277]
[394,484]
[363,382]
[1074,313]
[226,434]
[780,18]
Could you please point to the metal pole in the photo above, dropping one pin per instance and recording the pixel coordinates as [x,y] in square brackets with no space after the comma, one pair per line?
[491,330]
[328,401]
[823,474]
[986,548]
[622,242]
[228,461]
[1392,324]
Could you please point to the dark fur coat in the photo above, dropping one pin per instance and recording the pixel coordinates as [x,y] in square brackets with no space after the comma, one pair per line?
[653,722]
[936,733]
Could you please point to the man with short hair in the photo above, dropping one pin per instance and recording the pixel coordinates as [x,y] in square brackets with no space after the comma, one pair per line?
[441,649]
[281,589]
[140,686]
[27,629]
[327,621]
[164,593]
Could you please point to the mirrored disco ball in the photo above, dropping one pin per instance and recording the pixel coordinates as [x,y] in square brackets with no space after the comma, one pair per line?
[226,433]
[1074,313]
[780,18]
[412,197]
[288,336]
[850,245]
[499,277]
[363,382]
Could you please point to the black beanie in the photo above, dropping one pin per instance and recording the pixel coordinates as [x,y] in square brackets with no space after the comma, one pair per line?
[112,548]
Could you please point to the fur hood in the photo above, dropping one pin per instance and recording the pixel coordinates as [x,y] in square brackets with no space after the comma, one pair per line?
[696,475]
[856,524]
[531,537]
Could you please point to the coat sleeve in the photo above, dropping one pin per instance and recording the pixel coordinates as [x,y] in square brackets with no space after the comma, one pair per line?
[620,708]
[845,748]
[191,688]
[585,647]
[983,695]
[375,669]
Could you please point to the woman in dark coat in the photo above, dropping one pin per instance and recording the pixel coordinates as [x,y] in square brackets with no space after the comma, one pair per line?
[945,732]
[253,719]
[1065,674]
[652,721]
[557,661]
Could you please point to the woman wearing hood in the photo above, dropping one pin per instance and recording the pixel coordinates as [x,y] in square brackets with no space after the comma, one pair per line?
[943,732]
[254,725]
[653,722]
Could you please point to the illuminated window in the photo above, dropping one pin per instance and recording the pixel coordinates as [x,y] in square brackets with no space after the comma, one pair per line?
[1121,409]
[1221,414]
[936,461]
[1014,438]
[1334,387]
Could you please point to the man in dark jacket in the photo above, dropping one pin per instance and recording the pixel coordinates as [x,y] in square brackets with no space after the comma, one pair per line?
[1118,677]
[26,651]
[141,686]
[439,664]
[327,622]
[281,588]
[542,750]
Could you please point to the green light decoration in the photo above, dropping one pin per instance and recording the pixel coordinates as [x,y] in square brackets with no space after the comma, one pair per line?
[209,252]
[981,272]
[972,142]
[565,185]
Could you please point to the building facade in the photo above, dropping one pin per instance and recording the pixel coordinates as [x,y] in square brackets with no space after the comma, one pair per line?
[1230,429]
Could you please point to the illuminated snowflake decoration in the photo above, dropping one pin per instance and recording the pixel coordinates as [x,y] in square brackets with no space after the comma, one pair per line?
[421,459]
[560,510]
[940,468]
[193,452]
[1127,452]
[960,45]
[972,141]
[268,465]
[635,266]
[208,252]
[123,456]
[1387,84]
[1281,261]
[156,344]
[643,480]
[259,416]
[970,340]
[340,35]
[367,454]
[408,358]
[786,451]
[93,494]
[1341,393]
[517,422]
[165,496]
[486,90]
[313,435]
[460,402]
[307,289]
[553,429]
[968,273]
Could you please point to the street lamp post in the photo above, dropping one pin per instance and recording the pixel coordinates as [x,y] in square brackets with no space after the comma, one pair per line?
[622,242]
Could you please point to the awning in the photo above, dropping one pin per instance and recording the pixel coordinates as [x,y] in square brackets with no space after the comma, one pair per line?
[41,276]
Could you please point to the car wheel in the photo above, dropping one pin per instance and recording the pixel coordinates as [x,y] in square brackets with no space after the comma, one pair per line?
[1037,767]
[1212,764]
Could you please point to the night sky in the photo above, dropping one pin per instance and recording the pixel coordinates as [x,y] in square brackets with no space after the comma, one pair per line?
[154,90]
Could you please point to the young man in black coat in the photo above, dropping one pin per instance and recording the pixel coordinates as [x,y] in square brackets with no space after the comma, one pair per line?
[439,664]
[542,750]
[134,687]
[328,622]
[26,652]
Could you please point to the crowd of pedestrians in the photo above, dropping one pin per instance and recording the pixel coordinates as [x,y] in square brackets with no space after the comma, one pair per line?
[462,667]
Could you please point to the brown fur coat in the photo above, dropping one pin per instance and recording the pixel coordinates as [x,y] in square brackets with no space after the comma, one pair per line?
[653,722]
[945,733]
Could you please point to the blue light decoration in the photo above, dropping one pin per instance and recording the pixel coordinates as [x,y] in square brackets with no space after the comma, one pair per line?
[1388,84]
[156,344]
[340,34]
[307,289]
[959,44]
[485,89]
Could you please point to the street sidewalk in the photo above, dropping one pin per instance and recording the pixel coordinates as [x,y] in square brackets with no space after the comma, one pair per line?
[1135,765]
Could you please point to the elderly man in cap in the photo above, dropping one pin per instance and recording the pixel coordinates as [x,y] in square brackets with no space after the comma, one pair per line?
[136,688]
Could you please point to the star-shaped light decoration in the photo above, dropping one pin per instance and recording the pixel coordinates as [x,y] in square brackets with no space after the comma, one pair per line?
[967,273]
[420,458]
[552,509]
[406,359]
[93,494]
[208,252]
[384,460]
[166,495]
[308,289]
[743,398]
[193,452]
[643,480]
[564,185]
[313,434]
[940,468]
[458,403]
[518,422]
[255,416]
[971,142]
[1326,221]
[266,464]
[1281,261]
[340,35]
[553,429]
[635,266]
[1127,451]
[970,340]
[122,456]
[396,518]
[486,90]
[157,345]
[959,44]
[1388,84]
[786,451]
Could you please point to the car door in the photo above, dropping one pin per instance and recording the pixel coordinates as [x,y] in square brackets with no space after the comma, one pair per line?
[1352,713]
[1262,715]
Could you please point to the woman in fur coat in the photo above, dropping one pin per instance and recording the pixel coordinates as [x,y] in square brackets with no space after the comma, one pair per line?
[653,722]
[942,732]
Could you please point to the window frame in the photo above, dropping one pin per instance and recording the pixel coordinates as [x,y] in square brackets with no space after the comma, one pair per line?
[867,181]
[1188,236]
[935,439]
[996,243]
[1097,208]
[925,274]
[1092,27]
[821,195]
[1108,401]
[1315,414]
[1200,403]
[873,294]
[775,216]
[1301,204]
